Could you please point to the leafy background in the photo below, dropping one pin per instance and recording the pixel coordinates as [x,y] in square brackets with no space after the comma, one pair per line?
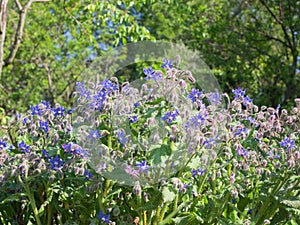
[252,44]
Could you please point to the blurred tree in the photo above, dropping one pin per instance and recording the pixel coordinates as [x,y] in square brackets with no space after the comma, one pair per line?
[253,44]
[46,45]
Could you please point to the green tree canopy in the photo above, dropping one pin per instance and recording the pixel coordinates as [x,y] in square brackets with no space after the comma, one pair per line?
[253,44]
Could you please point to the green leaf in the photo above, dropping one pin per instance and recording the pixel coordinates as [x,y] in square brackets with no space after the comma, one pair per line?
[13,197]
[168,196]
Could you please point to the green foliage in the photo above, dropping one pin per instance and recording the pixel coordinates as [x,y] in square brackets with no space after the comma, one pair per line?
[60,39]
[253,44]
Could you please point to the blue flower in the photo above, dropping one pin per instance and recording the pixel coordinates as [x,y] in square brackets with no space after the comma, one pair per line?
[198,172]
[94,134]
[24,121]
[75,149]
[135,105]
[185,186]
[80,88]
[109,86]
[98,99]
[45,153]
[2,144]
[143,168]
[194,94]
[241,152]
[209,142]
[133,119]
[87,174]
[70,111]
[238,93]
[44,126]
[56,163]
[240,131]
[24,147]
[46,104]
[215,98]
[167,64]
[196,121]
[152,75]
[59,111]
[103,217]
[122,137]
[288,143]
[35,110]
[278,107]
[170,116]
[132,172]
[252,121]
[247,100]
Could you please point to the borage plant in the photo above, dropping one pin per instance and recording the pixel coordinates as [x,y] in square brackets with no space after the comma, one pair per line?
[155,151]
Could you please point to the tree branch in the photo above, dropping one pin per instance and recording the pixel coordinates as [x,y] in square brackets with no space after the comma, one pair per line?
[280,22]
[20,28]
[3,18]
[74,18]
[19,5]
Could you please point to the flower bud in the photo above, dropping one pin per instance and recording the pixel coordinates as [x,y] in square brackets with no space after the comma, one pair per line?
[137,188]
[190,77]
[297,101]
[263,108]
[297,155]
[291,162]
[294,110]
[232,178]
[52,178]
[264,162]
[246,183]
[234,193]
[55,138]
[182,84]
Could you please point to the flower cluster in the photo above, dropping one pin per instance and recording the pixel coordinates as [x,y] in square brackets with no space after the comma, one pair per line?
[164,152]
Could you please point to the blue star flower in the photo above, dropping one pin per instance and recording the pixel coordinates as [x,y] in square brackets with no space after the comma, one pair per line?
[2,144]
[247,100]
[44,126]
[98,99]
[170,116]
[104,218]
[133,119]
[198,172]
[152,75]
[59,111]
[167,64]
[35,110]
[241,152]
[196,121]
[215,98]
[240,131]
[80,88]
[143,168]
[56,163]
[288,143]
[122,137]
[194,94]
[109,86]
[238,93]
[94,134]
[24,147]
